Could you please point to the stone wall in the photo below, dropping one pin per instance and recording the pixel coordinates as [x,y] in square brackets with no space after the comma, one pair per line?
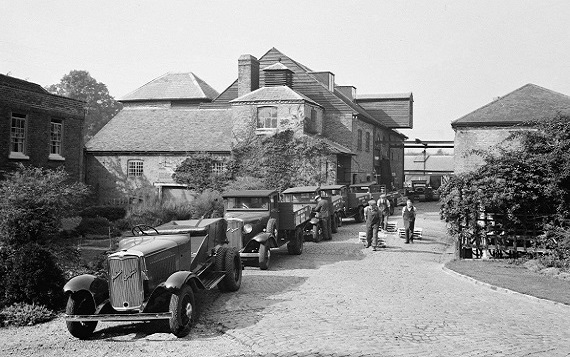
[477,138]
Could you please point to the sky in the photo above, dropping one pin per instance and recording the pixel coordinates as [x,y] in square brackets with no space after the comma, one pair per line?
[454,56]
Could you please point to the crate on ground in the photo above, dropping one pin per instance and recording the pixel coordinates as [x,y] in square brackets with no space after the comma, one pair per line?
[362,237]
[417,233]
[392,226]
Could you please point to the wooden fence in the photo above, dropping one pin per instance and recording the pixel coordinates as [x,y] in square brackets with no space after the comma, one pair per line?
[498,236]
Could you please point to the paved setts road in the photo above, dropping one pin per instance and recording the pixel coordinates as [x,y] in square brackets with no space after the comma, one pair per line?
[337,299]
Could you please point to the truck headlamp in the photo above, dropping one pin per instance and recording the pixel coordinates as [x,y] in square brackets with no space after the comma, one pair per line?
[247,228]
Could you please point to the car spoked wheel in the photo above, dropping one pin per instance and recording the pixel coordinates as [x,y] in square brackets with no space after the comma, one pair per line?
[80,303]
[264,255]
[182,307]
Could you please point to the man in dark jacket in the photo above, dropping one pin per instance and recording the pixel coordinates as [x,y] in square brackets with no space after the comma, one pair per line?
[323,212]
[409,216]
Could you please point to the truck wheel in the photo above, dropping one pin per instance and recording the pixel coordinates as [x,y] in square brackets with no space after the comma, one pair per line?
[232,267]
[271,227]
[80,303]
[317,233]
[334,223]
[183,309]
[295,246]
[360,215]
[220,265]
[264,255]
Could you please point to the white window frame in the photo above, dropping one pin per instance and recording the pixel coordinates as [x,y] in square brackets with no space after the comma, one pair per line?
[56,140]
[263,120]
[135,168]
[218,167]
[18,136]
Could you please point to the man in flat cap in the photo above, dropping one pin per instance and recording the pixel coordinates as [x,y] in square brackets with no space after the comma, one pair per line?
[372,215]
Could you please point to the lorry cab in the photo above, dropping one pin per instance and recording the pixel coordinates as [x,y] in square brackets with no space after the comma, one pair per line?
[339,200]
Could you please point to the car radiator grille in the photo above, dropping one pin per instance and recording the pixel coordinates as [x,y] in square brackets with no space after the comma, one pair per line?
[126,283]
[234,233]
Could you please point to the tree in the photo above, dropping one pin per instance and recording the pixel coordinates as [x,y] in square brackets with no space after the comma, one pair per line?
[101,106]
[529,177]
[32,203]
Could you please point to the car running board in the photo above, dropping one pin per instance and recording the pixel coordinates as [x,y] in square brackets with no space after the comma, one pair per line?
[212,279]
[143,316]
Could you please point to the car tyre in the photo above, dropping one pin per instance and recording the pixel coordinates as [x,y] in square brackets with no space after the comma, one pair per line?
[271,227]
[295,246]
[183,309]
[334,223]
[220,265]
[233,269]
[80,303]
[317,233]
[264,255]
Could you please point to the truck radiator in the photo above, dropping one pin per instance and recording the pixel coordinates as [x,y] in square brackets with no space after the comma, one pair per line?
[125,283]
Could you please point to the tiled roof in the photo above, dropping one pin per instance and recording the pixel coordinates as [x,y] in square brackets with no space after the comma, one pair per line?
[525,104]
[278,93]
[311,87]
[336,148]
[407,95]
[140,129]
[173,86]
[434,163]
[21,84]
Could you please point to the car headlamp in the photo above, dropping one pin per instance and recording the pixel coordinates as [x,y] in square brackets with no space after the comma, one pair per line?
[247,228]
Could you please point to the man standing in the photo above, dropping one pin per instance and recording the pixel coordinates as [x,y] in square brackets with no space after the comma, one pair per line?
[323,212]
[384,206]
[409,216]
[372,215]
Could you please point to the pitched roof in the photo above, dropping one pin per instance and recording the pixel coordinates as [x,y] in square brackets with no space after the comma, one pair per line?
[144,129]
[307,84]
[173,86]
[277,93]
[21,84]
[434,163]
[528,103]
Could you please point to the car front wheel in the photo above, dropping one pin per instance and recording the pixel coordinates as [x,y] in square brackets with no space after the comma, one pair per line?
[264,255]
[183,309]
[233,270]
[80,303]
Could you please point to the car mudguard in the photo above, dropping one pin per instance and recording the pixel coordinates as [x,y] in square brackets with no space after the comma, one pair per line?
[258,239]
[97,286]
[180,278]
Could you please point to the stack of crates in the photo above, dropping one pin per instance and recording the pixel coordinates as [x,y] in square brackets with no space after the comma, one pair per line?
[417,233]
[392,226]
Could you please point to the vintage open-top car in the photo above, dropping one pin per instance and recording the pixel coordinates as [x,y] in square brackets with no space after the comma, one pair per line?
[154,275]
[261,222]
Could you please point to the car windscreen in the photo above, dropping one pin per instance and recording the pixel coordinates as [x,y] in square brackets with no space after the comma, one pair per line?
[247,203]
[359,189]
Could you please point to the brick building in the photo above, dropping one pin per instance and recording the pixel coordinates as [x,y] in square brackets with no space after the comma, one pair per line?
[39,129]
[178,114]
[491,124]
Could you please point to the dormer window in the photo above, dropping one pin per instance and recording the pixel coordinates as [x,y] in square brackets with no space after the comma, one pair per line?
[267,118]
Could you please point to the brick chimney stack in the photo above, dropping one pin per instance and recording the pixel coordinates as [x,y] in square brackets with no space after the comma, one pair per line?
[248,74]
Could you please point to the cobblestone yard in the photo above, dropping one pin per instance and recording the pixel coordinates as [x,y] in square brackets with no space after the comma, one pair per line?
[336,299]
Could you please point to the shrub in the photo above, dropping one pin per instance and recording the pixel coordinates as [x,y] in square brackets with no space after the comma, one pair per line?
[31,275]
[22,314]
[33,202]
[95,225]
[112,213]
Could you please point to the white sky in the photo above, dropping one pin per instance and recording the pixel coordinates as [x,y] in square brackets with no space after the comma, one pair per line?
[454,56]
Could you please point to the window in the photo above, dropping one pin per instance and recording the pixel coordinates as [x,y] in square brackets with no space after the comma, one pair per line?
[218,167]
[18,135]
[56,137]
[134,168]
[359,142]
[267,118]
[367,143]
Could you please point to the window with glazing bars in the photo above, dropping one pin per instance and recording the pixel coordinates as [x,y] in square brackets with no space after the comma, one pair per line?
[134,168]
[18,133]
[267,118]
[56,137]
[218,167]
